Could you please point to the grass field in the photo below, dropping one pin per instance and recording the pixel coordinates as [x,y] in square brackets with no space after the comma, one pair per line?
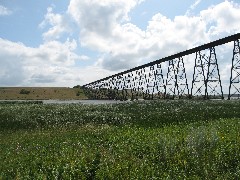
[179,139]
[40,93]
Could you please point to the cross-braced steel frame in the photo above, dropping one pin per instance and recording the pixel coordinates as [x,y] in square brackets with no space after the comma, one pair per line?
[234,87]
[150,82]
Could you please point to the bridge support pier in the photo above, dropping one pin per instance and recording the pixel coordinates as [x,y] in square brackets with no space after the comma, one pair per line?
[159,82]
[199,80]
[213,80]
[176,83]
[171,81]
[182,84]
[234,87]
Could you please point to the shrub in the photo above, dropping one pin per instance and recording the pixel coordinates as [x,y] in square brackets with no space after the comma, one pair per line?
[77,86]
[78,93]
[24,91]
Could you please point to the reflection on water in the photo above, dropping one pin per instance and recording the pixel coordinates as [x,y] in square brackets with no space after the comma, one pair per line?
[87,102]
[60,102]
[81,102]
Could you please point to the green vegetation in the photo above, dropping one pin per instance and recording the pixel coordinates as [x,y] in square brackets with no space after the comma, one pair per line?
[77,86]
[20,102]
[179,139]
[24,91]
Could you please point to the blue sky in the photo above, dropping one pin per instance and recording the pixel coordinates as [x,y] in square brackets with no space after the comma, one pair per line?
[64,43]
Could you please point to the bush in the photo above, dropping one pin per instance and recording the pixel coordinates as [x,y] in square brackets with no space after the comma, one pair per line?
[24,91]
[77,86]
[78,93]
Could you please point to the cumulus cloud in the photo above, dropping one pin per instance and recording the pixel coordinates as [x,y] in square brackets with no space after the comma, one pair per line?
[4,11]
[101,15]
[222,18]
[47,65]
[193,6]
[59,25]
[105,27]
[99,19]
[123,45]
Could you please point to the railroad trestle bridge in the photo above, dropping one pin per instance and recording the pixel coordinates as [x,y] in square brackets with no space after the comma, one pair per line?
[149,81]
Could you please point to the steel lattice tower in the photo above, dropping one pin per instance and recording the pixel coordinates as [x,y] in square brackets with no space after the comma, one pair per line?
[199,80]
[159,82]
[142,82]
[213,81]
[119,86]
[171,82]
[182,85]
[176,78]
[234,86]
[150,83]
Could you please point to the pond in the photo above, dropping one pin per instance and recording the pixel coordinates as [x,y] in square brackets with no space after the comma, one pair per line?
[63,101]
[81,101]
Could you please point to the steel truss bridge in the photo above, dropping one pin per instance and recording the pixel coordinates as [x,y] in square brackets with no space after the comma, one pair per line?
[149,82]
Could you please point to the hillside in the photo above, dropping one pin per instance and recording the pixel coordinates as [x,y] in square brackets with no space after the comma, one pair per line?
[40,93]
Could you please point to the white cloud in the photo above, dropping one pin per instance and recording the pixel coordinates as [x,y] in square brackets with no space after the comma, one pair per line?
[193,6]
[59,25]
[83,57]
[99,19]
[100,14]
[50,64]
[105,27]
[4,11]
[222,18]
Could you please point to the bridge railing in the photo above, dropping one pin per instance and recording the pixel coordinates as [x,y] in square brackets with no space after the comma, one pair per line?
[149,82]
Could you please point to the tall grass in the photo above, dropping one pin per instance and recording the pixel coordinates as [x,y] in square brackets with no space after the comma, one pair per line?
[138,140]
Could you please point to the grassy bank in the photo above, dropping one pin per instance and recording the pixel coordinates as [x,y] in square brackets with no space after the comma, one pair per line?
[138,140]
[40,93]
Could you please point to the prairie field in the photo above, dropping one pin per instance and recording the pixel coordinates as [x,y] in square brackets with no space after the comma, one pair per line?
[40,93]
[175,139]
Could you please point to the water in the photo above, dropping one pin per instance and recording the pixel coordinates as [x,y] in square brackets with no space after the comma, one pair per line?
[65,101]
[87,102]
[81,102]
